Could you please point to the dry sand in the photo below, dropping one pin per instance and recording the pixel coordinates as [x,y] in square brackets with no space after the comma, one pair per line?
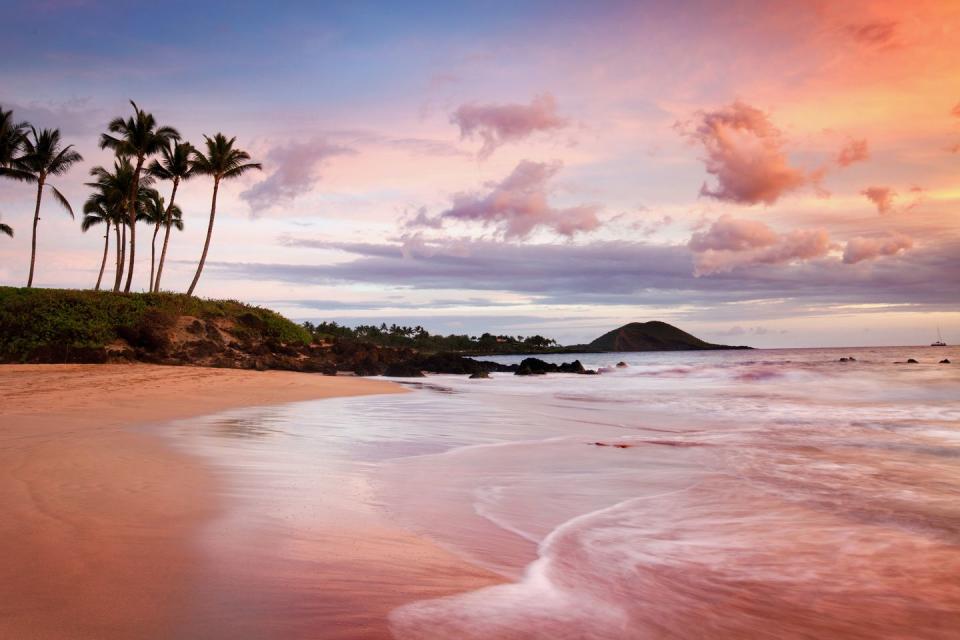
[97,519]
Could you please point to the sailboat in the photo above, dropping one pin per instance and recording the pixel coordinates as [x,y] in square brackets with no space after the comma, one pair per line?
[939,342]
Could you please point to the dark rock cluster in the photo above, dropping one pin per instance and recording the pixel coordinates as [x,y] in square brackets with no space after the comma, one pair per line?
[535,367]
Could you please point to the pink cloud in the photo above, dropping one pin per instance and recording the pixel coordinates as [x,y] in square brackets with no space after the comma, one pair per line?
[882,197]
[853,151]
[518,204]
[733,234]
[956,111]
[730,243]
[295,172]
[745,154]
[862,248]
[497,124]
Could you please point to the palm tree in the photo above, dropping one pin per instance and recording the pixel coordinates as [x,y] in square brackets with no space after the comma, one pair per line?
[96,211]
[222,162]
[175,165]
[138,137]
[44,157]
[12,135]
[113,191]
[6,229]
[157,213]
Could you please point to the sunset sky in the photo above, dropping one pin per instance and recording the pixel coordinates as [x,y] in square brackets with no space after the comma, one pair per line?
[762,173]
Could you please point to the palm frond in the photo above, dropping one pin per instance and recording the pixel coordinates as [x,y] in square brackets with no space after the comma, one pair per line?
[222,159]
[59,197]
[6,229]
[13,173]
[91,220]
[43,154]
[117,125]
[241,169]
[62,162]
[167,133]
[159,171]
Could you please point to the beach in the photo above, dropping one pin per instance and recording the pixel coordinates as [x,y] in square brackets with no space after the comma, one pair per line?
[737,494]
[100,515]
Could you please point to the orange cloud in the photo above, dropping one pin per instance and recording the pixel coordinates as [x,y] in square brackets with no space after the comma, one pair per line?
[862,248]
[882,197]
[745,154]
[853,151]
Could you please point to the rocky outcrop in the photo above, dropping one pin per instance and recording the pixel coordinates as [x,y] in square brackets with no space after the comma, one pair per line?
[536,367]
[403,370]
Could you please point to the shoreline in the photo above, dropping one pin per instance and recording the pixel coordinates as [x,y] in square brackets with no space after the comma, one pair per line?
[99,518]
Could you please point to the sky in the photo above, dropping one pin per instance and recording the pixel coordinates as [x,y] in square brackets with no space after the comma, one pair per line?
[776,174]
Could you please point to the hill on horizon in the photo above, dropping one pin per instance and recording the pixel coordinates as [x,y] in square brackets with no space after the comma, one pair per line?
[652,336]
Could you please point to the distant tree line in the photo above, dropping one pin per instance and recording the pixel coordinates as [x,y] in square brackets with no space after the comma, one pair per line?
[422,340]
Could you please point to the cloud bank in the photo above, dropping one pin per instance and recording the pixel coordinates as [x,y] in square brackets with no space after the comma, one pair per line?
[730,243]
[862,248]
[618,272]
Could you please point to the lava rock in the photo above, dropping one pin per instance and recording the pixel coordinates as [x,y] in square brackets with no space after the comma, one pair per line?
[537,367]
[533,367]
[572,367]
[912,361]
[479,375]
[368,367]
[945,361]
[403,370]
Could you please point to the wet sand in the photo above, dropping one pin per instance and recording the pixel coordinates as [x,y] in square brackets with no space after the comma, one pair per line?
[99,519]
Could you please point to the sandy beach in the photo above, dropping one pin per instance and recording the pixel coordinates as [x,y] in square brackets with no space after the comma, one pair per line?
[99,517]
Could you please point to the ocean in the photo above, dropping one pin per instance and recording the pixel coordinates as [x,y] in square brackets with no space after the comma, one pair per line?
[721,494]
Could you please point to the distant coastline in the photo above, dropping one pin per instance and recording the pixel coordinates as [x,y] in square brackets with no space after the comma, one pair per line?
[56,326]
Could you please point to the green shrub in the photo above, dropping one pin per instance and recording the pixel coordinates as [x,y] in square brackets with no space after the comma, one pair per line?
[50,324]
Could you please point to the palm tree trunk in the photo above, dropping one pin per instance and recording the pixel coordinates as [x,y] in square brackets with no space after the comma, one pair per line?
[153,251]
[116,275]
[33,241]
[206,244]
[132,208]
[121,255]
[106,250]
[166,235]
